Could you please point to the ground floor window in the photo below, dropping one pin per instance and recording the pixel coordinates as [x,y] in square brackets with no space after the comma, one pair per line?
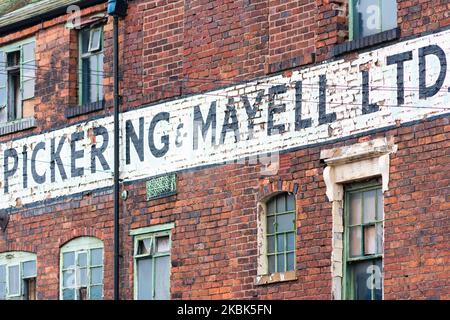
[17,276]
[363,222]
[152,262]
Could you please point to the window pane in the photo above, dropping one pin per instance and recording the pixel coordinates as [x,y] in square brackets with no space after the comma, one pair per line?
[271,206]
[271,261]
[144,246]
[290,261]
[86,79]
[285,222]
[281,203]
[379,238]
[380,208]
[29,269]
[370,241]
[362,283]
[355,208]
[69,278]
[97,275]
[82,259]
[355,241]
[290,202]
[389,15]
[93,64]
[280,263]
[378,280]
[28,52]
[162,278]
[291,241]
[69,294]
[14,280]
[271,244]
[2,290]
[2,273]
[144,280]
[280,243]
[95,38]
[96,257]
[367,14]
[68,260]
[85,41]
[82,277]
[271,224]
[100,76]
[96,293]
[369,206]
[162,244]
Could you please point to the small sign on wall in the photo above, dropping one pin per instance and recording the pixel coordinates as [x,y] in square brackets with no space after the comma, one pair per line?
[162,186]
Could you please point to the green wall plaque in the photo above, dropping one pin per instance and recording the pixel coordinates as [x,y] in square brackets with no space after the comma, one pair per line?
[162,186]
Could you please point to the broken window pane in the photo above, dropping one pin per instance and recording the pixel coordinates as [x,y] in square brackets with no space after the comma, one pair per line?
[144,280]
[369,206]
[355,208]
[144,246]
[162,279]
[355,241]
[370,240]
[13,280]
[162,244]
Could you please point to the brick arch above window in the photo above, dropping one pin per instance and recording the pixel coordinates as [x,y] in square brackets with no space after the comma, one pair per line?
[80,232]
[273,188]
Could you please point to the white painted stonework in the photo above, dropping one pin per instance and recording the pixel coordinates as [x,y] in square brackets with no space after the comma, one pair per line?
[343,97]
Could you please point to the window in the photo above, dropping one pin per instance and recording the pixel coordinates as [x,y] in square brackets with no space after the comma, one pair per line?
[364,242]
[91,66]
[280,233]
[17,276]
[152,263]
[17,80]
[81,275]
[368,17]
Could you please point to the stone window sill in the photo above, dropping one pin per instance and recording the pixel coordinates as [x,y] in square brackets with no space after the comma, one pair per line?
[79,110]
[275,278]
[17,126]
[365,42]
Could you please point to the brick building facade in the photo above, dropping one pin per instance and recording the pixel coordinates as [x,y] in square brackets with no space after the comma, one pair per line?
[229,108]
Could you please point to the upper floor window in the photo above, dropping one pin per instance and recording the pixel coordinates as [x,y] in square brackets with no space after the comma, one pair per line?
[368,17]
[81,275]
[364,242]
[17,80]
[152,262]
[280,233]
[17,276]
[91,65]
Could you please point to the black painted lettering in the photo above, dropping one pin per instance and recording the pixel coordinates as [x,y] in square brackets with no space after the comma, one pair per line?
[230,113]
[76,154]
[158,153]
[138,141]
[399,59]
[98,153]
[204,125]
[55,157]
[424,91]
[299,122]
[39,179]
[9,171]
[366,106]
[275,109]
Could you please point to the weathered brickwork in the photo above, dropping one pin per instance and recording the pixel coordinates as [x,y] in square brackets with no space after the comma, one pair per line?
[174,48]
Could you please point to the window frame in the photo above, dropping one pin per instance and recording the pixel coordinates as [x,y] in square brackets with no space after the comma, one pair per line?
[90,53]
[17,258]
[354,24]
[348,285]
[78,246]
[152,232]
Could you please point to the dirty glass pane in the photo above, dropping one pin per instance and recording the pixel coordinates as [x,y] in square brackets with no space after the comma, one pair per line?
[285,222]
[355,208]
[97,275]
[290,261]
[96,293]
[93,63]
[271,224]
[68,260]
[362,283]
[69,278]
[380,209]
[271,261]
[85,40]
[162,244]
[144,281]
[290,241]
[69,294]
[290,202]
[271,206]
[162,278]
[82,277]
[355,241]
[95,40]
[14,280]
[280,243]
[144,246]
[271,244]
[369,206]
[378,280]
[370,240]
[281,203]
[379,238]
[29,269]
[389,15]
[82,259]
[280,263]
[96,257]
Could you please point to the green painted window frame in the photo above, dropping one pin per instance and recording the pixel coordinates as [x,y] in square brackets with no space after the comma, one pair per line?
[17,258]
[99,71]
[285,234]
[353,23]
[79,246]
[152,233]
[348,284]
